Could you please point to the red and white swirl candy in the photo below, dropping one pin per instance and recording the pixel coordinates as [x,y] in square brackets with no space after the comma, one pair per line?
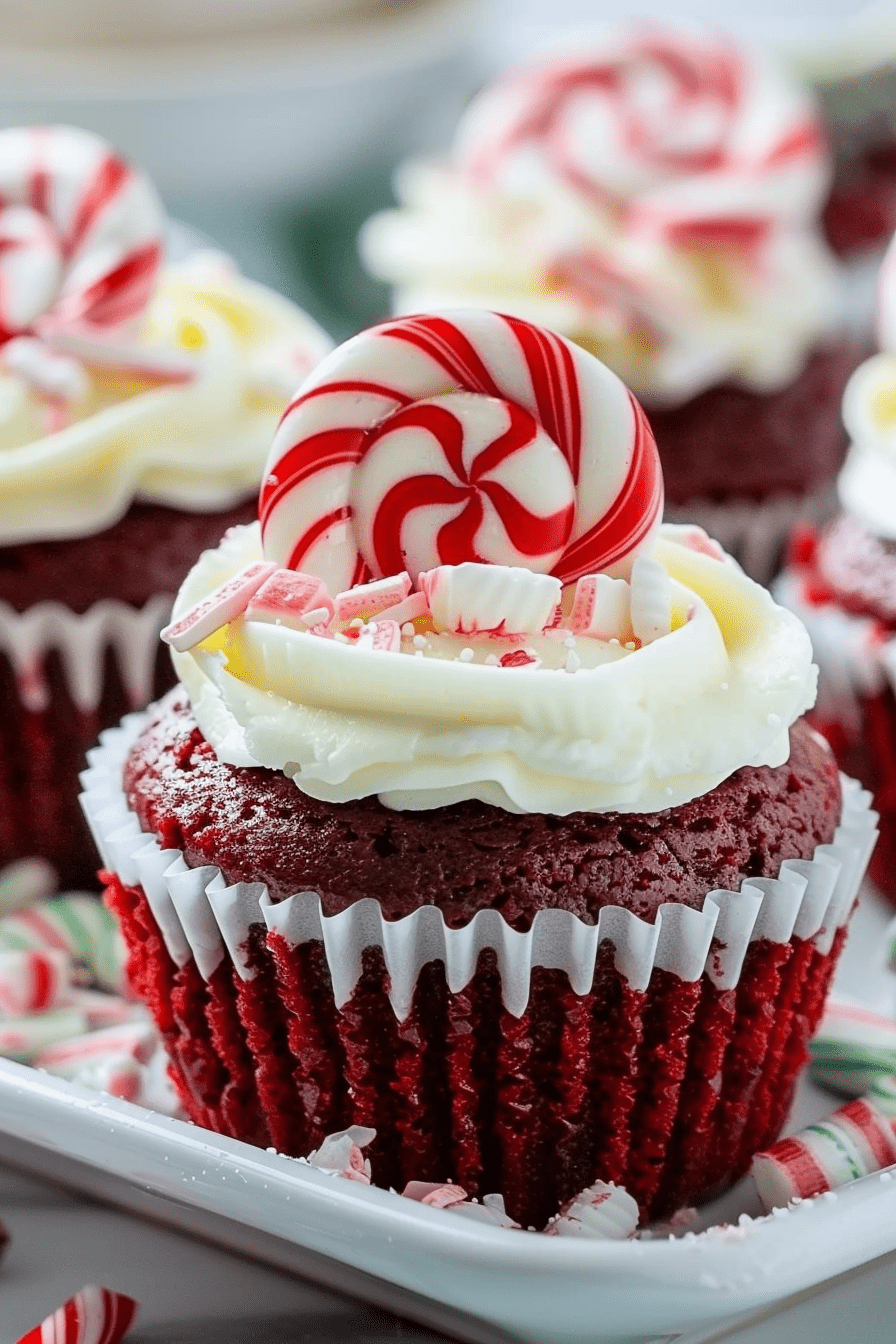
[93,1316]
[466,436]
[686,132]
[81,235]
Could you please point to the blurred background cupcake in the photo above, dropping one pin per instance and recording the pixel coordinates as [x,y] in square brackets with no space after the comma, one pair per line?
[484,815]
[137,401]
[842,582]
[656,196]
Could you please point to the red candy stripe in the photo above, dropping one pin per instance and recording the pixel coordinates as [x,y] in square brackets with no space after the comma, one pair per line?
[564,435]
[93,1316]
[104,221]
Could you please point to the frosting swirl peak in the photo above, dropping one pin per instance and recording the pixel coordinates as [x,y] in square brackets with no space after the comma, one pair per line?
[656,199]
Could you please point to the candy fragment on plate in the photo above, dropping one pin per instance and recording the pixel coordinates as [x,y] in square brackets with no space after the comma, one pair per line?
[435,1195]
[92,1316]
[603,1210]
[341,1154]
[854,1141]
[25,882]
[34,981]
[852,1048]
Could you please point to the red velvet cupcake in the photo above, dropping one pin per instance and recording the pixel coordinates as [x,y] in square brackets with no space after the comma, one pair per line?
[516,863]
[657,199]
[842,582]
[137,401]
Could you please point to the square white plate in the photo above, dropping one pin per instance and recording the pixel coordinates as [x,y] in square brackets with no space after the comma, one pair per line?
[477,1282]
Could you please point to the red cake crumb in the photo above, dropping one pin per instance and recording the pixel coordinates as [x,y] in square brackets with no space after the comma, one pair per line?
[256,825]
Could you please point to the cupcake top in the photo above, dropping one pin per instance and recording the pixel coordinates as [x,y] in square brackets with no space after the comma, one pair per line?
[867,481]
[656,199]
[459,589]
[122,378]
[851,563]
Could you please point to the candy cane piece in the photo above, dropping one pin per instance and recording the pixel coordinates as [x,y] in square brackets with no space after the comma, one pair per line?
[219,608]
[855,1141]
[473,599]
[33,982]
[92,1316]
[604,1211]
[435,1195]
[852,1048]
[601,607]
[467,436]
[287,598]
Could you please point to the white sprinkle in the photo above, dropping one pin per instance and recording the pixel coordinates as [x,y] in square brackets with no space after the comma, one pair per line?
[615,641]
[573,662]
[774,720]
[569,642]
[491,660]
[420,642]
[630,644]
[356,620]
[723,686]
[407,630]
[466,655]
[668,791]
[418,653]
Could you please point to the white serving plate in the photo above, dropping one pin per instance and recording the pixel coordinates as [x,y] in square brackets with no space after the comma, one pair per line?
[476,1282]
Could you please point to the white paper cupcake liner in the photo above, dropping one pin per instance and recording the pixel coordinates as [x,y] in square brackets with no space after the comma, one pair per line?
[756,532]
[82,641]
[203,918]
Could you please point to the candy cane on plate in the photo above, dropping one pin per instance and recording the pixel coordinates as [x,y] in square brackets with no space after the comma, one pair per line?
[463,436]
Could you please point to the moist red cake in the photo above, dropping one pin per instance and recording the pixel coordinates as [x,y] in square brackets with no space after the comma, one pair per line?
[476,1095]
[733,443]
[146,553]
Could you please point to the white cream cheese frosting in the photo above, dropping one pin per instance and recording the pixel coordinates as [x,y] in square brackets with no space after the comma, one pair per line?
[656,200]
[568,722]
[181,414]
[867,480]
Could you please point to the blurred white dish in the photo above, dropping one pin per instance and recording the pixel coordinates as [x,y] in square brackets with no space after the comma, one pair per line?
[265,116]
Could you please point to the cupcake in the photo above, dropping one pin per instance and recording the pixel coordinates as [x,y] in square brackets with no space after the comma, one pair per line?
[484,815]
[137,403]
[841,580]
[657,200]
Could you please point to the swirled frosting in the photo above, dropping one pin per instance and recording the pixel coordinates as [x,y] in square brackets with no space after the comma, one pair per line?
[867,480]
[182,414]
[656,200]
[441,709]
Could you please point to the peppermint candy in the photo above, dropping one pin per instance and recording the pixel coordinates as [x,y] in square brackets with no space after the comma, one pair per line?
[856,1140]
[852,1048]
[685,134]
[93,1316]
[81,235]
[464,437]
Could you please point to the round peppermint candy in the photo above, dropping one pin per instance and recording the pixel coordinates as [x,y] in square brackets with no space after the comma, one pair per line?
[466,436]
[81,234]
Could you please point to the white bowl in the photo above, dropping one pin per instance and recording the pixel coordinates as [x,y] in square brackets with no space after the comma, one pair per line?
[262,118]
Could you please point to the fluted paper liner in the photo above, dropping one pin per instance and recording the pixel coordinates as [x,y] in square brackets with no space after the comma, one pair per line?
[202,917]
[82,640]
